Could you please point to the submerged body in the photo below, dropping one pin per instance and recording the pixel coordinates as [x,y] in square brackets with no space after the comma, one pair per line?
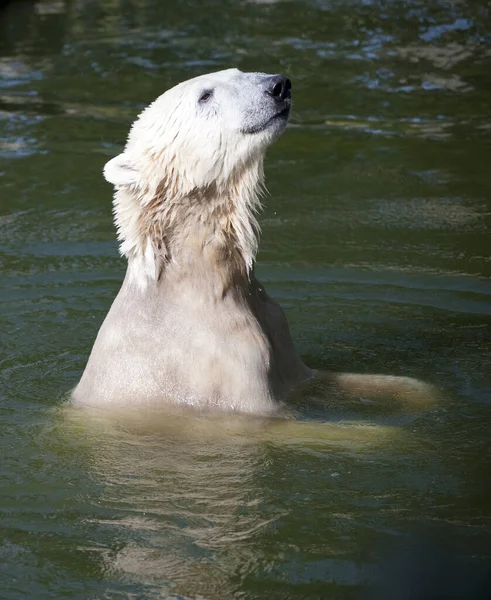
[191,326]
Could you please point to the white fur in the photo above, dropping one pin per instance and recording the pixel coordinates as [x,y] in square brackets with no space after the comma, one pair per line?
[191,147]
[191,325]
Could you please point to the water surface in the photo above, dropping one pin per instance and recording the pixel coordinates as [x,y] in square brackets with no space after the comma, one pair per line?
[376,242]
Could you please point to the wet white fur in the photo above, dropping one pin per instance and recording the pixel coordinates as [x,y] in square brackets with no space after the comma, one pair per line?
[192,147]
[191,326]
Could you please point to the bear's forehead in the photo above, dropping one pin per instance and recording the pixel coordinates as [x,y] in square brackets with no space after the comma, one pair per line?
[225,76]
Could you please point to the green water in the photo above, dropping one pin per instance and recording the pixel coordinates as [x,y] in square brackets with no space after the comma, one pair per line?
[376,240]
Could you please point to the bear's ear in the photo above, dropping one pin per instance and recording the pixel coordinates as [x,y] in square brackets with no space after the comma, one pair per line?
[121,171]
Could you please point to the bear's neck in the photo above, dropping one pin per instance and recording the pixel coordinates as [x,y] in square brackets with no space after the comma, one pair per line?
[209,234]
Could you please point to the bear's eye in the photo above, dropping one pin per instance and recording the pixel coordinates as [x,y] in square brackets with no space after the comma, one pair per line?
[206,95]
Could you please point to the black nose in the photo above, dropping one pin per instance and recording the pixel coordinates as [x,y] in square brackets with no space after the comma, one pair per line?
[279,87]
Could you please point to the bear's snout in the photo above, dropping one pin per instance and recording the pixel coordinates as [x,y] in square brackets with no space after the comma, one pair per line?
[278,87]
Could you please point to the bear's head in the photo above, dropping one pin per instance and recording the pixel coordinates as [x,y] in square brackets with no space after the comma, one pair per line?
[203,131]
[192,168]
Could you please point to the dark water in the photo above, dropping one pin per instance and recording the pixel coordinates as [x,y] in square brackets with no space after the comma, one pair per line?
[376,239]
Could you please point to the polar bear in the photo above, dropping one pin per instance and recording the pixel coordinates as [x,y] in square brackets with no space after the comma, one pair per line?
[191,325]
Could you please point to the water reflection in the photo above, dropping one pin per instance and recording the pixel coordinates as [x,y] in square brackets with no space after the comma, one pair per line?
[187,499]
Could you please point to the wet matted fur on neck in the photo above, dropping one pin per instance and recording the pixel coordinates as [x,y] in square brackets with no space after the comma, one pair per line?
[158,225]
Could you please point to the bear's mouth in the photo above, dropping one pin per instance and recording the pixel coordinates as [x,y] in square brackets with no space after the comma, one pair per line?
[281,115]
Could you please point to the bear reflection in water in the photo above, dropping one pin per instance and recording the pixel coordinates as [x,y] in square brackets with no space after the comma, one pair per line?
[188,504]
